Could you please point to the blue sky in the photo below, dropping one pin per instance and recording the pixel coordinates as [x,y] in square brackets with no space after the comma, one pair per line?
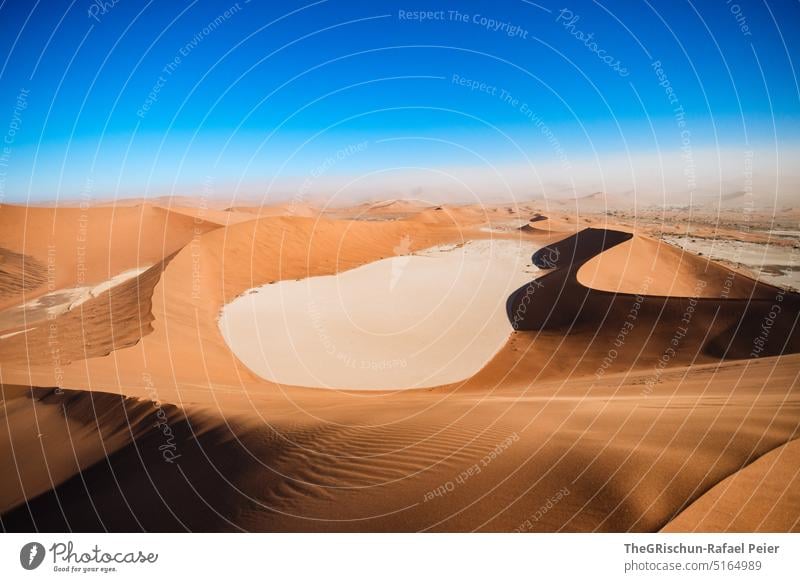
[133,99]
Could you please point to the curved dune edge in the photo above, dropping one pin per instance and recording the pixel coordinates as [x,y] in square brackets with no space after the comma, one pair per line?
[116,318]
[86,246]
[186,353]
[652,267]
[597,332]
[91,245]
[763,496]
[542,225]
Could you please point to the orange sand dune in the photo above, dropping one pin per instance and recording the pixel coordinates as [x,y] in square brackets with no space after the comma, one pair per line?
[598,332]
[186,345]
[544,225]
[76,246]
[574,425]
[113,319]
[764,496]
[212,215]
[19,273]
[586,456]
[644,265]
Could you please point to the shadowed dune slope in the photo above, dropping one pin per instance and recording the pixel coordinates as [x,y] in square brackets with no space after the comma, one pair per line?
[50,436]
[18,273]
[566,328]
[114,319]
[764,496]
[627,460]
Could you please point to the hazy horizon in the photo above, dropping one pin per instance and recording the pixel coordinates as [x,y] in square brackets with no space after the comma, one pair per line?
[379,100]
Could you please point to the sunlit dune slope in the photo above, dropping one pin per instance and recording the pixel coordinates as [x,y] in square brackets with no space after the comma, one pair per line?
[77,246]
[763,496]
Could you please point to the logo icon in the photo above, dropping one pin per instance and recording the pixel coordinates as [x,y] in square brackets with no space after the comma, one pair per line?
[31,555]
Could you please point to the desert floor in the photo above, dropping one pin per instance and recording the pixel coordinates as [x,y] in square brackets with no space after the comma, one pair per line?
[168,365]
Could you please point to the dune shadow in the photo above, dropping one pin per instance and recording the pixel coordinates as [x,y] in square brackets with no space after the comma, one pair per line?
[718,327]
[555,298]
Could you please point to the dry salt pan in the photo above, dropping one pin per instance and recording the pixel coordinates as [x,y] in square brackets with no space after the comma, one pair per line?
[410,321]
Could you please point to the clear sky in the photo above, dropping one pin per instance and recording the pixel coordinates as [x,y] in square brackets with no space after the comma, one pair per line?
[132,98]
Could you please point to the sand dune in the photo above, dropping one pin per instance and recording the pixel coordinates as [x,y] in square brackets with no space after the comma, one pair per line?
[91,323]
[54,435]
[19,273]
[79,246]
[597,332]
[574,425]
[410,462]
[761,497]
[669,271]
